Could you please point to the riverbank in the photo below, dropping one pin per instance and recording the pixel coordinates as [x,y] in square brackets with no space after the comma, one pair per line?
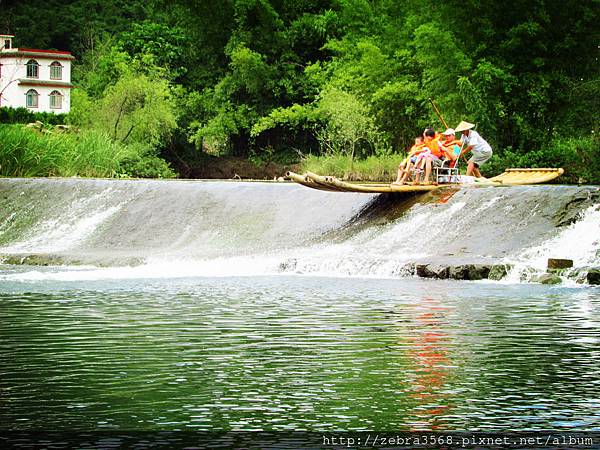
[233,168]
[45,150]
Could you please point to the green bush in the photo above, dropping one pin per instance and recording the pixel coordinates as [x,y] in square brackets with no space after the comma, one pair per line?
[143,163]
[24,115]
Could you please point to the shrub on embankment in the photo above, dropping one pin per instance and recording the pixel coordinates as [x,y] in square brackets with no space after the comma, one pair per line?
[29,153]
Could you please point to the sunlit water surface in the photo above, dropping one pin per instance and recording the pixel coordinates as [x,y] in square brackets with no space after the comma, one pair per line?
[301,353]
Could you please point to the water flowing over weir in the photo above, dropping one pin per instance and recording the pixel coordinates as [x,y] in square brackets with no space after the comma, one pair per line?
[139,229]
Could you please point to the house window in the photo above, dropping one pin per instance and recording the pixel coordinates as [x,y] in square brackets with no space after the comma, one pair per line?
[32,98]
[56,100]
[33,69]
[7,44]
[55,71]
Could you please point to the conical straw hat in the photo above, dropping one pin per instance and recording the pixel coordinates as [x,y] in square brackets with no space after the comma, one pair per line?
[464,126]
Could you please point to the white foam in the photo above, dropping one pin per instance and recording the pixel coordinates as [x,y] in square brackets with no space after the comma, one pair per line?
[68,229]
[379,252]
[579,242]
[155,268]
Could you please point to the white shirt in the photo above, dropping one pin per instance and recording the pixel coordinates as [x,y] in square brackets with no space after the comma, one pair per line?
[479,144]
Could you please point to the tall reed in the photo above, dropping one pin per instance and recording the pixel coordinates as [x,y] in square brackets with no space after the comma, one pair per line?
[30,153]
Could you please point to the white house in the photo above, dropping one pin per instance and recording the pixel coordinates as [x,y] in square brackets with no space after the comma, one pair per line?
[39,80]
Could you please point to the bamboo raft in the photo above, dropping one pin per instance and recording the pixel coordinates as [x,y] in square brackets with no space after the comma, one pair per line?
[510,177]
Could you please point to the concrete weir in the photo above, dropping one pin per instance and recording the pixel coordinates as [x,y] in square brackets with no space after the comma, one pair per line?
[233,228]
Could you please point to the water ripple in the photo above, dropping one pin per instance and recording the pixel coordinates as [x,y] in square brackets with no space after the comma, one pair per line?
[282,353]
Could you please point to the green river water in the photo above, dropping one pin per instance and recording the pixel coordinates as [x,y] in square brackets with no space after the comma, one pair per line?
[298,353]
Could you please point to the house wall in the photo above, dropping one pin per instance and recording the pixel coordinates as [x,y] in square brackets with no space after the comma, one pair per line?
[13,94]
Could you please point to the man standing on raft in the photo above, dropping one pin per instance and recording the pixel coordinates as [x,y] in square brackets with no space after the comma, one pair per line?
[482,151]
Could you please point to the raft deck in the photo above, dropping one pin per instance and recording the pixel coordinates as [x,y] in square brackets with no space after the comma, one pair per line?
[510,177]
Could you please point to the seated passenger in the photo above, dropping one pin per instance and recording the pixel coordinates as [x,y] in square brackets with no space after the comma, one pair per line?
[409,161]
[428,135]
[451,145]
[450,141]
[432,157]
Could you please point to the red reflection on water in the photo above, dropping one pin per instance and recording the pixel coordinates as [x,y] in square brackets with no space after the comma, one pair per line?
[429,351]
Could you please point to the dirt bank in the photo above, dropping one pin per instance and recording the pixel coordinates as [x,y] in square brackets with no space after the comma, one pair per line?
[232,167]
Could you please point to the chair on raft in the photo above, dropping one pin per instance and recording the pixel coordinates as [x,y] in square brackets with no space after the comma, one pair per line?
[448,171]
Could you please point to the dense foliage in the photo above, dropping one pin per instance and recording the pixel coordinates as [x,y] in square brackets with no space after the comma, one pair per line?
[329,77]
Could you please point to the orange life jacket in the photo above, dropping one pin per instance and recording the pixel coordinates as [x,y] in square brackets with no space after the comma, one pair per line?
[434,146]
[416,149]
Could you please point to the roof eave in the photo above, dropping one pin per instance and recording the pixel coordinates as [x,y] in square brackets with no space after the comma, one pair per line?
[49,83]
[17,53]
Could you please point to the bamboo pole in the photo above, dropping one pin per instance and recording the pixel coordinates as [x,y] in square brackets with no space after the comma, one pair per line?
[437,111]
[439,114]
[305,181]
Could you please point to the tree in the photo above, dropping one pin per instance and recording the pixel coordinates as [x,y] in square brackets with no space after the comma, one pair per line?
[347,123]
[137,109]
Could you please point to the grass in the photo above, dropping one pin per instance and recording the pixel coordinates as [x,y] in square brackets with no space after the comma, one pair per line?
[30,153]
[373,168]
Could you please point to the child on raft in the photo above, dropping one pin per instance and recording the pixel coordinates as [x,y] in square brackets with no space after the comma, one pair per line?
[410,160]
